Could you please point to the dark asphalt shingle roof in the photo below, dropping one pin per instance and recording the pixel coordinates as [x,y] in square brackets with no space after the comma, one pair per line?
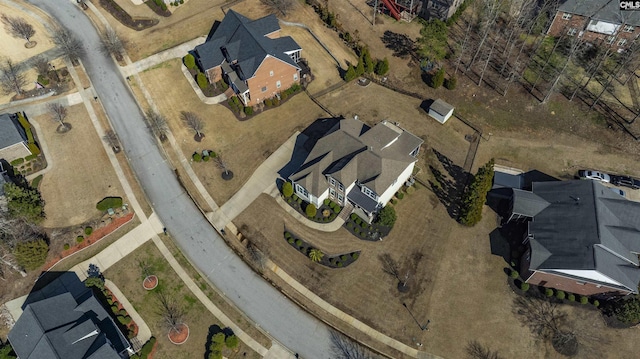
[602,10]
[246,42]
[66,326]
[527,203]
[10,131]
[583,219]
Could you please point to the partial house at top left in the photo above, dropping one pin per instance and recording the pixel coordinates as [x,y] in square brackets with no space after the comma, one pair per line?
[13,139]
[251,57]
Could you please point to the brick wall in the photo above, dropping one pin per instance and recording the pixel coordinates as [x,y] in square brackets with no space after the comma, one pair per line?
[282,72]
[569,285]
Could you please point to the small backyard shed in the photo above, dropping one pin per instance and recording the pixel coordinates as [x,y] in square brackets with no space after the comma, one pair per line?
[440,110]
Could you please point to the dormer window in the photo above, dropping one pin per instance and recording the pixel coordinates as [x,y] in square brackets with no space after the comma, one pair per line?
[566,16]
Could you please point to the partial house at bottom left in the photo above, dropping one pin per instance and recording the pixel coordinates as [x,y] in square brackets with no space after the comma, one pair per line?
[65,321]
[13,139]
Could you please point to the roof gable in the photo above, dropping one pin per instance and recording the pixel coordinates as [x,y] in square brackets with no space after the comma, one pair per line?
[11,132]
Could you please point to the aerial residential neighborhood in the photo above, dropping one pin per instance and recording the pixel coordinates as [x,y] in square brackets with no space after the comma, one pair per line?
[319,179]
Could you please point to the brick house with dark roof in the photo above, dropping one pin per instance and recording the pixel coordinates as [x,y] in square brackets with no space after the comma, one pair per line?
[597,21]
[251,57]
[354,164]
[13,139]
[581,237]
[65,321]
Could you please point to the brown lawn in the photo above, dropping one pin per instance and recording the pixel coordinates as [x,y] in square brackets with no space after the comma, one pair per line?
[243,144]
[128,277]
[80,173]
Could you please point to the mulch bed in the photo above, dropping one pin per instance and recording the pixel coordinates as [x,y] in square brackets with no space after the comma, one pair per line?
[124,18]
[328,260]
[150,282]
[132,327]
[95,236]
[298,204]
[157,9]
[180,335]
[364,230]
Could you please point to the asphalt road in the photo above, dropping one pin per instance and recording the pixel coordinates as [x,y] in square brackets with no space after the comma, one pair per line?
[285,321]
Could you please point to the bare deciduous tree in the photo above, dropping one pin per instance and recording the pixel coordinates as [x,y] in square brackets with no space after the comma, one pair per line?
[71,46]
[41,65]
[111,138]
[19,27]
[279,5]
[256,255]
[193,121]
[171,313]
[345,348]
[12,79]
[112,44]
[58,113]
[475,350]
[222,164]
[157,124]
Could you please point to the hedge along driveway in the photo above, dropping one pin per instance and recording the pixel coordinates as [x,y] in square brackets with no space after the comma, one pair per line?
[81,175]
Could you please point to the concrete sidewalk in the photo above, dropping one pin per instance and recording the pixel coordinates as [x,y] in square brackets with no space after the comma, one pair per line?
[166,55]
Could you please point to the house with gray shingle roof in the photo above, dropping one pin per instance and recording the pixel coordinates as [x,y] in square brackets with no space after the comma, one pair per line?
[65,321]
[13,139]
[582,237]
[354,164]
[251,57]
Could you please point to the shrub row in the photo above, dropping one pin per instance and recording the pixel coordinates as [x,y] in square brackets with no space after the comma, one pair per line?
[147,348]
[549,292]
[235,104]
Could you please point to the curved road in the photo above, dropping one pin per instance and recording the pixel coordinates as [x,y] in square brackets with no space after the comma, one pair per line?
[285,321]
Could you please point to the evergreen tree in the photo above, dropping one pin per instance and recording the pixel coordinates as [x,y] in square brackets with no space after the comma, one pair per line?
[350,74]
[369,64]
[438,79]
[24,202]
[382,67]
[360,67]
[476,195]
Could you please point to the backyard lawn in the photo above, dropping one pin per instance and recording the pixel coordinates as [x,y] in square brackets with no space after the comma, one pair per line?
[128,276]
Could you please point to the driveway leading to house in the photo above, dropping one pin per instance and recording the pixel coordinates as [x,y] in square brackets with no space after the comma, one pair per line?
[262,303]
[260,181]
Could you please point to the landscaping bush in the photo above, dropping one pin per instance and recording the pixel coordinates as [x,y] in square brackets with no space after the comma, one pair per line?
[202,81]
[276,102]
[163,6]
[326,202]
[109,202]
[560,294]
[571,297]
[231,342]
[350,74]
[189,61]
[311,210]
[336,209]
[349,225]
[114,308]
[400,195]
[332,216]
[43,80]
[548,292]
[206,158]
[476,195]
[290,240]
[268,102]
[31,254]
[387,216]
[66,246]
[343,258]
[596,303]
[298,243]
[339,264]
[88,231]
[196,157]
[147,348]
[514,274]
[248,110]
[584,300]
[122,312]
[287,189]
[354,256]
[450,83]
[353,216]
[382,67]
[79,239]
[17,161]
[30,157]
[524,287]
[438,79]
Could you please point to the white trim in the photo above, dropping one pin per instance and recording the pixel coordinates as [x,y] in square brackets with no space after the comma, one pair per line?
[566,16]
[589,275]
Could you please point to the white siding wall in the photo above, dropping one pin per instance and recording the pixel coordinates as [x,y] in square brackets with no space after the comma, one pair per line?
[321,198]
[386,196]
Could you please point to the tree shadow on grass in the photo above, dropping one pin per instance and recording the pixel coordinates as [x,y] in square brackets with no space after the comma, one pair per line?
[449,186]
[401,45]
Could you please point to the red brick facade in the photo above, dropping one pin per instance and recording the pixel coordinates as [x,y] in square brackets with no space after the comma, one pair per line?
[273,76]
[576,25]
[570,285]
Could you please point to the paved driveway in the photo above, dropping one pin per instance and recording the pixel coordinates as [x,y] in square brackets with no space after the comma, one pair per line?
[262,303]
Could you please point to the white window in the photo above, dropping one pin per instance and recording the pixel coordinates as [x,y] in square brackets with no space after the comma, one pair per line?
[340,198]
[340,188]
[610,39]
[271,73]
[368,192]
[566,16]
[278,84]
[264,89]
[572,31]
[295,77]
[302,191]
[332,181]
[622,42]
[332,192]
[628,28]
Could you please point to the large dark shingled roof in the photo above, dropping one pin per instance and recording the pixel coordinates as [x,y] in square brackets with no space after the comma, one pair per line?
[601,10]
[246,42]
